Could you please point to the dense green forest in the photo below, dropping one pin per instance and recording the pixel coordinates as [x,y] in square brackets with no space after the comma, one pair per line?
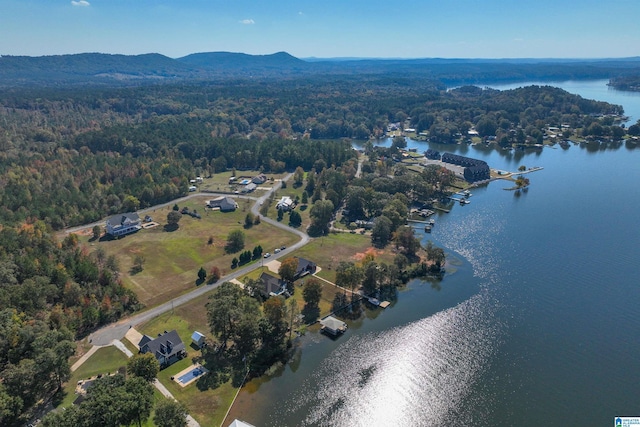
[51,293]
[630,82]
[72,156]
[152,68]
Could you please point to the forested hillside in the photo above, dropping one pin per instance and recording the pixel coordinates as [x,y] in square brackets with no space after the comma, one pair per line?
[50,294]
[73,156]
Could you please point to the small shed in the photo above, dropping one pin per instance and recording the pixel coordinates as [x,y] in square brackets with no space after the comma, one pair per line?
[198,339]
[333,326]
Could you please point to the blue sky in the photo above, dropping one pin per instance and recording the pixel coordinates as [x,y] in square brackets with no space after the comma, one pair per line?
[324,28]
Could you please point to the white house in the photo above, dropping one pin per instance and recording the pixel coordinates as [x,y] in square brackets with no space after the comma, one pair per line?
[121,224]
[285,204]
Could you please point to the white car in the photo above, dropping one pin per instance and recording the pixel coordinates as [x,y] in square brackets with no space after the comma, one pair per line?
[267,255]
[276,250]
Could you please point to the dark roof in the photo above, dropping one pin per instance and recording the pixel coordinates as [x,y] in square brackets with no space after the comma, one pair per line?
[224,203]
[304,265]
[168,344]
[120,219]
[145,339]
[269,284]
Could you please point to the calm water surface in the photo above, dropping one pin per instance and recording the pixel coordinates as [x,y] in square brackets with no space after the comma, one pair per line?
[537,323]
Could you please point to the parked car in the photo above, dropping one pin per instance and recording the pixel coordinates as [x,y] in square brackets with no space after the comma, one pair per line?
[267,255]
[283,248]
[276,251]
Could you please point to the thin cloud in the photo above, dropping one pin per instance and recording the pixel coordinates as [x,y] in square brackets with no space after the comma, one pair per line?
[248,22]
[80,3]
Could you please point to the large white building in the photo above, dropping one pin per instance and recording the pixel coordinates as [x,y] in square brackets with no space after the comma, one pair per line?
[285,204]
[121,224]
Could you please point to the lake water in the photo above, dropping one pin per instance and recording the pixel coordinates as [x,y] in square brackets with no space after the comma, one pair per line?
[537,323]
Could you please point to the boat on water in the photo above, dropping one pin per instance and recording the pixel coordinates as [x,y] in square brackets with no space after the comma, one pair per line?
[464,201]
[466,193]
[427,228]
[432,221]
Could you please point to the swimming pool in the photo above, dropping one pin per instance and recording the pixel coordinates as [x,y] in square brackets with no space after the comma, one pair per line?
[191,375]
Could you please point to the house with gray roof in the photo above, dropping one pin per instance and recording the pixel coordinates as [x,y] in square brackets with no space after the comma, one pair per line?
[225,204]
[121,224]
[168,348]
[305,267]
[271,285]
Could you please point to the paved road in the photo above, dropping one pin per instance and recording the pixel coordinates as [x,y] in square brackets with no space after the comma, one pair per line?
[160,206]
[116,331]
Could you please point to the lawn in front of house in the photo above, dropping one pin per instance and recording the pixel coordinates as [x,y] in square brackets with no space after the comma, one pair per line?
[172,258]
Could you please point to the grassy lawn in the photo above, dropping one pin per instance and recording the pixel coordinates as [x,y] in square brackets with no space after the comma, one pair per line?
[104,361]
[328,251]
[172,259]
[185,319]
[208,407]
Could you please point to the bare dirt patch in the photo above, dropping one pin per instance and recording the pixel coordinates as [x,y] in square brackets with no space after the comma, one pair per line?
[359,256]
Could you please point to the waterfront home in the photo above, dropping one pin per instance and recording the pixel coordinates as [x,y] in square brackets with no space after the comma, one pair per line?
[121,224]
[333,326]
[305,267]
[238,423]
[271,285]
[168,348]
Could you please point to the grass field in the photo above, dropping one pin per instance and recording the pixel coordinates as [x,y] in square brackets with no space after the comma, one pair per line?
[328,251]
[106,360]
[173,258]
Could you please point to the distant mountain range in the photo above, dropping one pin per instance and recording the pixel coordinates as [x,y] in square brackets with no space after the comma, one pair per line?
[107,69]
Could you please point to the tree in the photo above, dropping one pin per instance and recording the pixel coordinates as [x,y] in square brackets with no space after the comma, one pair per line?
[249,220]
[138,264]
[234,262]
[287,269]
[173,218]
[320,213]
[257,252]
[176,207]
[214,275]
[223,311]
[144,365]
[202,274]
[298,177]
[522,168]
[295,219]
[170,413]
[235,241]
[97,231]
[406,241]
[305,198]
[130,203]
[435,254]
[312,292]
[381,232]
[348,275]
